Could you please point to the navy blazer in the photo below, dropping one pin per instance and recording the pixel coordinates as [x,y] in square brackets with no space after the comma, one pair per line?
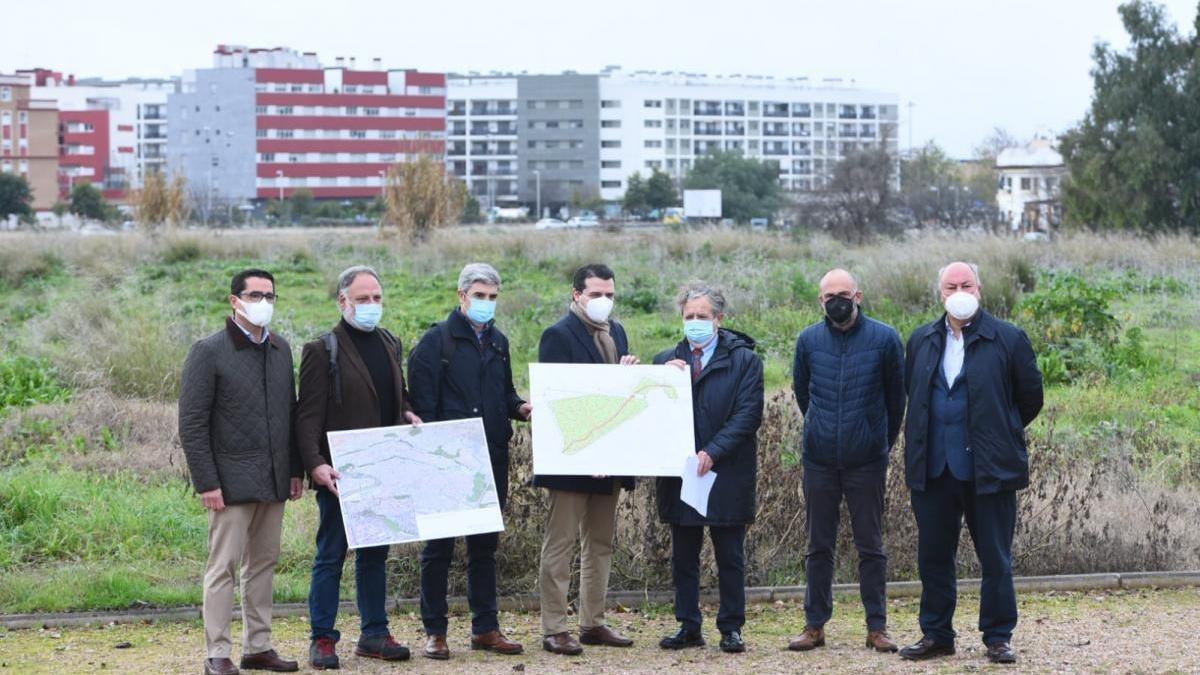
[568,341]
[1004,395]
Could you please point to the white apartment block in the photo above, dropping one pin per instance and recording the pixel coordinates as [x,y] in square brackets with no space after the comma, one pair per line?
[1029,194]
[510,136]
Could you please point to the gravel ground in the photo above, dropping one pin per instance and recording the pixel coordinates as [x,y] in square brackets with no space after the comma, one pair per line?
[1120,631]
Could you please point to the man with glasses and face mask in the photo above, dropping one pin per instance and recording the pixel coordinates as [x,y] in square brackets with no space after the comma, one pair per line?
[350,378]
[236,401]
[973,386]
[582,509]
[848,377]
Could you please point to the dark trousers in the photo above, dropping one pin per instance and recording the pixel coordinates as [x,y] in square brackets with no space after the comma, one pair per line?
[863,489]
[481,573]
[370,576]
[729,550]
[940,510]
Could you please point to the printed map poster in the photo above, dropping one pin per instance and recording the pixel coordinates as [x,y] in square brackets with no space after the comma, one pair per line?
[407,483]
[610,420]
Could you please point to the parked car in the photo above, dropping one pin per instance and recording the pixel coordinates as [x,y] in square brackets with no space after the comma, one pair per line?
[549,224]
[585,220]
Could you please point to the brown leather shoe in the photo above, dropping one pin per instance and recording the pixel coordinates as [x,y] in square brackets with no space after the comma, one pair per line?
[604,635]
[880,641]
[436,648]
[219,667]
[494,641]
[810,639]
[562,643]
[268,660]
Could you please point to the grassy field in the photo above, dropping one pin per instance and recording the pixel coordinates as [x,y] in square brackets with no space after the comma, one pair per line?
[95,510]
[1143,631]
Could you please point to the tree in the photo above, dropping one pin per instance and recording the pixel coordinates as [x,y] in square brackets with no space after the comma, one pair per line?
[471,213]
[301,202]
[635,194]
[749,188]
[15,195]
[1132,159]
[88,202]
[860,194]
[925,176]
[420,198]
[660,191]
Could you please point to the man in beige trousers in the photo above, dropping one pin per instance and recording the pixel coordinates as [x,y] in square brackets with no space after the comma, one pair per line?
[582,508]
[236,402]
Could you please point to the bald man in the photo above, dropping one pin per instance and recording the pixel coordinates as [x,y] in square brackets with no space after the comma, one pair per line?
[973,386]
[848,377]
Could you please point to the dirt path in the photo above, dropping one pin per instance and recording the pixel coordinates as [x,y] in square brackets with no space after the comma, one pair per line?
[1122,631]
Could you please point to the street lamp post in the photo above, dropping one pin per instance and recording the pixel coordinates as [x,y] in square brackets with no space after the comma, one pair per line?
[538,177]
[279,182]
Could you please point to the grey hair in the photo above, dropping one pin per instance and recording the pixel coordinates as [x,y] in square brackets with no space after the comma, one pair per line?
[478,273]
[694,290]
[349,274]
[937,285]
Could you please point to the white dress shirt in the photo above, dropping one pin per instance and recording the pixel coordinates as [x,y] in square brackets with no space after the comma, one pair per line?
[952,358]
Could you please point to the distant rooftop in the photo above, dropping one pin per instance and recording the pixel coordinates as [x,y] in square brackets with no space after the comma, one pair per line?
[1040,152]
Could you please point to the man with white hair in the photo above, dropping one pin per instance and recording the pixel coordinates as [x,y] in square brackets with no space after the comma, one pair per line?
[350,378]
[461,369]
[973,386]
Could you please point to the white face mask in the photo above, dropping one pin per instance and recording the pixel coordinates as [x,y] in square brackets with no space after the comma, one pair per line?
[962,305]
[599,308]
[258,313]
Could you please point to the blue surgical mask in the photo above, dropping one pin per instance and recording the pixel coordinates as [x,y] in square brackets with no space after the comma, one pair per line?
[366,317]
[481,311]
[699,331]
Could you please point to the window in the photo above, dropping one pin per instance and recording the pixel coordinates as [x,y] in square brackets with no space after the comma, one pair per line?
[652,103]
[653,124]
[357,133]
[351,110]
[371,112]
[610,124]
[653,164]
[610,104]
[1027,183]
[615,184]
[351,89]
[23,117]
[610,164]
[294,159]
[268,157]
[653,144]
[5,93]
[283,133]
[284,110]
[260,110]
[610,144]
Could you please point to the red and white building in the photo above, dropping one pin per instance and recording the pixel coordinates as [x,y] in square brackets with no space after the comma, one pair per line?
[263,123]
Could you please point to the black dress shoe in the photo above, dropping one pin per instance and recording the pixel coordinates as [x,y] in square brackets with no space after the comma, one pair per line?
[926,649]
[1001,652]
[732,642]
[682,640]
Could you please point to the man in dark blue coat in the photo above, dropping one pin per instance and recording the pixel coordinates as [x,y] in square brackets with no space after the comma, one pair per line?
[459,370]
[848,376]
[727,406]
[582,509]
[973,386]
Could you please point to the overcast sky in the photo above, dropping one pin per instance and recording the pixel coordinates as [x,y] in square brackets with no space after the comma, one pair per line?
[966,65]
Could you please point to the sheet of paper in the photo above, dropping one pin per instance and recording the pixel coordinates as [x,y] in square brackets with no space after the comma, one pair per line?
[695,489]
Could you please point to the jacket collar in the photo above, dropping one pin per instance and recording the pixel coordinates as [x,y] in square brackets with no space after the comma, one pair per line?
[719,359]
[460,326]
[580,332]
[983,326]
[240,341]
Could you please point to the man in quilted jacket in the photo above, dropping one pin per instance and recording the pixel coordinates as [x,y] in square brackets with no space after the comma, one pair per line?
[236,403]
[848,376]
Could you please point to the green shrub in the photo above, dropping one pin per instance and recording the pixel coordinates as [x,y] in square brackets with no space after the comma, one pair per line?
[25,381]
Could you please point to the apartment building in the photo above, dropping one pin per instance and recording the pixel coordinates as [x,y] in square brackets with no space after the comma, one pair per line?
[1029,196]
[262,123]
[29,139]
[579,134]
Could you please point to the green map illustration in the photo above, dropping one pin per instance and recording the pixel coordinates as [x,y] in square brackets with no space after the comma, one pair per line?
[588,418]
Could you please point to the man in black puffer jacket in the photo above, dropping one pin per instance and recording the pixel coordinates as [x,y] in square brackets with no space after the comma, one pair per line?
[848,376]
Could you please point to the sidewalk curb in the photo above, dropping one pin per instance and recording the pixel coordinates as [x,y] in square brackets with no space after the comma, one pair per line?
[529,601]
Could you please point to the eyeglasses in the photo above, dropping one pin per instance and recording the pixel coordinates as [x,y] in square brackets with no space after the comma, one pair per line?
[259,296]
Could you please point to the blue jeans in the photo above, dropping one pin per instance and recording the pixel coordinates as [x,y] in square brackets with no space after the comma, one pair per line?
[370,576]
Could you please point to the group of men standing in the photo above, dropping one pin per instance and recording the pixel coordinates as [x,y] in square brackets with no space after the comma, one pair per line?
[972,385]
[250,441]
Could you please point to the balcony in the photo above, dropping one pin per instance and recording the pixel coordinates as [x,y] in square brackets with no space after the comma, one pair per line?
[456,149]
[848,112]
[775,110]
[735,129]
[493,110]
[802,110]
[703,130]
[775,130]
[456,110]
[711,109]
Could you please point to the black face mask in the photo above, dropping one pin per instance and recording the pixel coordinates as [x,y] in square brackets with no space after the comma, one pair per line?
[839,309]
